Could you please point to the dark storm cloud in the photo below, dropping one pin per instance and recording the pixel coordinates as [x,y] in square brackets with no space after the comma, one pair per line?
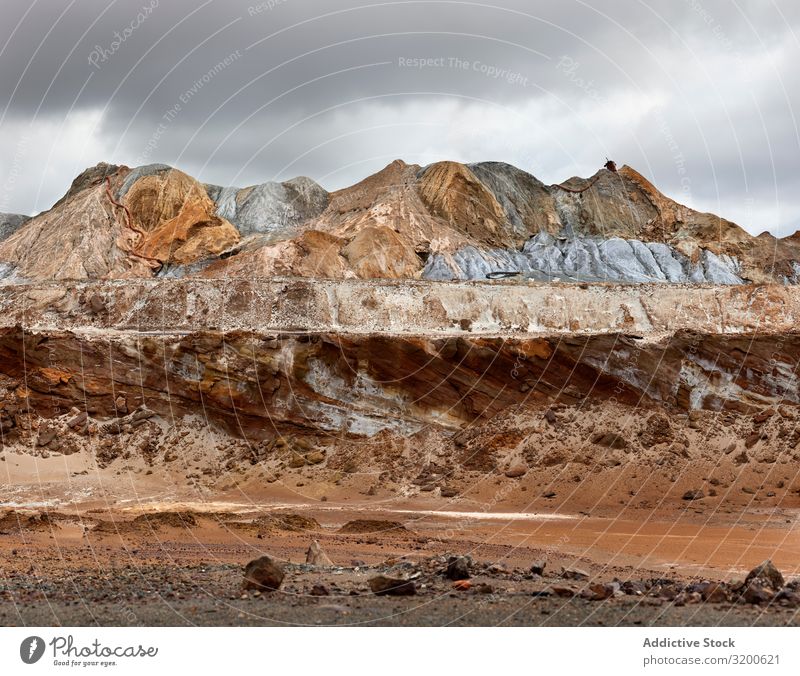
[700,96]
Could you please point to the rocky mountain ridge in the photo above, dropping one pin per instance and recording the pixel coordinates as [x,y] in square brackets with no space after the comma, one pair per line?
[444,221]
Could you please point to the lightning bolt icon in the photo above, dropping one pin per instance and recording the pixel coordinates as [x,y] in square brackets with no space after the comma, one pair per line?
[32,647]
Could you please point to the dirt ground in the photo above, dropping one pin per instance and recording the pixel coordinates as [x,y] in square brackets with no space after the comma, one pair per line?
[182,564]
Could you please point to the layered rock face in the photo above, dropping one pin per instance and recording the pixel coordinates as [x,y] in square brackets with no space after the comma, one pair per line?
[474,375]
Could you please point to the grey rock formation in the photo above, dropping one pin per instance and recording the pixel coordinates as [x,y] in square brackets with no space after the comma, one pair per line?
[527,202]
[270,208]
[10,223]
[586,259]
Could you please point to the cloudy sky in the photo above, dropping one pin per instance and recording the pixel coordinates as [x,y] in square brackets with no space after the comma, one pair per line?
[700,96]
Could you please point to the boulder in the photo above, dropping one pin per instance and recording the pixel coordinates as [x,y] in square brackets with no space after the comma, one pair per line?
[766,575]
[263,574]
[315,555]
[381,585]
[458,568]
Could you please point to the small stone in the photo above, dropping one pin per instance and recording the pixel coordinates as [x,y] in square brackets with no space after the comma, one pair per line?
[574,574]
[462,585]
[602,591]
[516,471]
[381,585]
[263,574]
[315,458]
[695,494]
[713,592]
[537,567]
[789,598]
[319,590]
[316,556]
[296,461]
[752,440]
[458,568]
[755,593]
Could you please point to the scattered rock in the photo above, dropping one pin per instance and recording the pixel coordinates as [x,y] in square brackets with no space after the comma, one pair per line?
[516,471]
[458,568]
[713,592]
[537,567]
[263,574]
[602,591]
[319,590]
[767,575]
[315,458]
[315,555]
[381,585]
[752,440]
[574,574]
[695,494]
[756,593]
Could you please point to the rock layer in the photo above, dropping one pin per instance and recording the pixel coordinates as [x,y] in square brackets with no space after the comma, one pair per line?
[259,357]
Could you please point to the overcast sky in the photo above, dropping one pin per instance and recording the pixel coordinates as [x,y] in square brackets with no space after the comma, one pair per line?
[700,96]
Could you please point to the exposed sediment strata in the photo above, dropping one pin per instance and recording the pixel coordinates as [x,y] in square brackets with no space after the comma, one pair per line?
[400,307]
[358,358]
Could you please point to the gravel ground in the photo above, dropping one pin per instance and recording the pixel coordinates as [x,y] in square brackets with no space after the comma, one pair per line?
[282,610]
[170,574]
